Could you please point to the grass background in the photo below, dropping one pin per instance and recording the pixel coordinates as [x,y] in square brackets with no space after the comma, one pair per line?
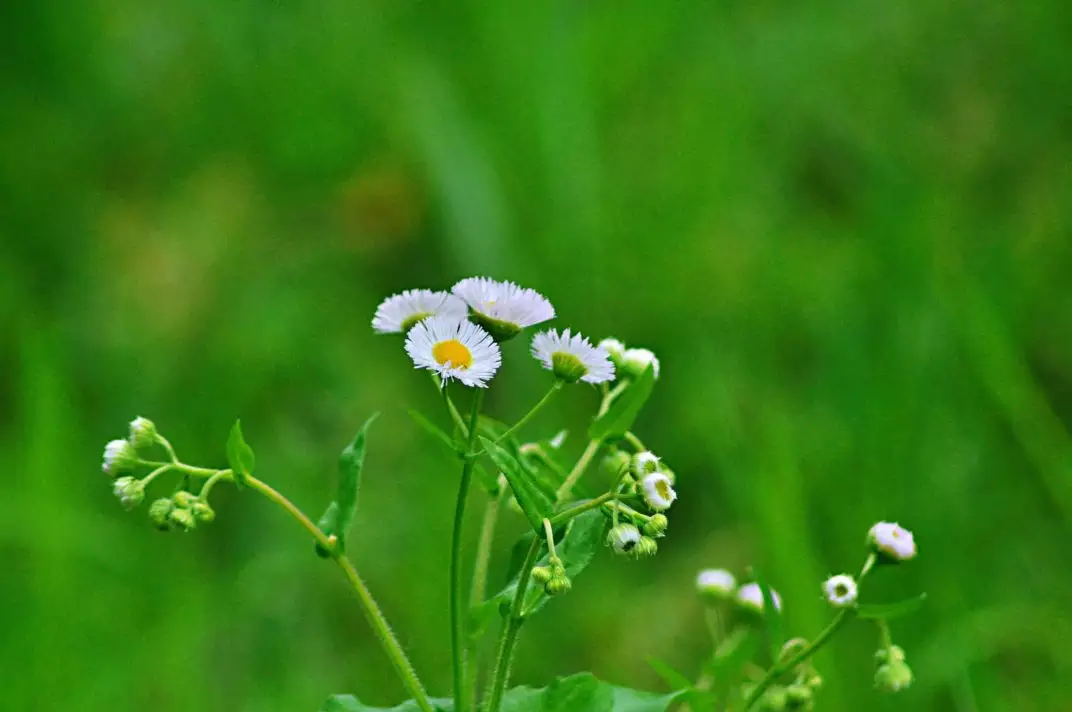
[843,226]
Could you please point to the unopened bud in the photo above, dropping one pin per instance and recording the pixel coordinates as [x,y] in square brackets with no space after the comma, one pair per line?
[636,361]
[646,547]
[541,574]
[159,512]
[798,696]
[183,518]
[558,584]
[184,499]
[202,511]
[775,699]
[716,584]
[892,654]
[142,432]
[119,457]
[615,349]
[129,491]
[617,462]
[893,676]
[750,597]
[892,542]
[656,526]
[624,538]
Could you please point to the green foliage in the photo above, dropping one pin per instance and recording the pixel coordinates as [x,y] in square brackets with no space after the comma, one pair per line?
[889,611]
[578,693]
[619,418]
[534,500]
[772,617]
[239,455]
[340,513]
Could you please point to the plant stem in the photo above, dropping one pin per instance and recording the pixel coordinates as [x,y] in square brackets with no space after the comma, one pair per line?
[457,613]
[451,408]
[372,611]
[568,514]
[609,395]
[635,442]
[480,571]
[511,628]
[578,469]
[555,388]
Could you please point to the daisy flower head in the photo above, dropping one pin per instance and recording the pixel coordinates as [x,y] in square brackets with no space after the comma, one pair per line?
[399,313]
[840,591]
[635,361]
[750,597]
[119,456]
[503,308]
[658,491]
[454,349]
[572,358]
[716,584]
[892,541]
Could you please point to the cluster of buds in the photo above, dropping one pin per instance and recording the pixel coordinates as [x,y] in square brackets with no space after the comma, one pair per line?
[182,511]
[654,482]
[717,586]
[630,363]
[122,455]
[553,577]
[893,673]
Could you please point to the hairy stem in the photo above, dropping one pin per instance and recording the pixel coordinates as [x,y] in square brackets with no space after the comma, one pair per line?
[511,628]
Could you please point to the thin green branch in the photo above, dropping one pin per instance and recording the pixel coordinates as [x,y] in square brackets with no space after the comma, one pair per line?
[511,628]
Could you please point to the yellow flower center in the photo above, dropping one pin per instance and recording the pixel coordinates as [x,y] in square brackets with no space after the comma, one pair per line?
[663,488]
[454,352]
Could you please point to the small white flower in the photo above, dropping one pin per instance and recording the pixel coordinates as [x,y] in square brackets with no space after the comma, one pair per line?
[623,538]
[142,432]
[454,349]
[503,308]
[119,456]
[716,583]
[635,361]
[658,491]
[129,492]
[614,348]
[840,591]
[572,358]
[644,463]
[893,541]
[750,596]
[398,313]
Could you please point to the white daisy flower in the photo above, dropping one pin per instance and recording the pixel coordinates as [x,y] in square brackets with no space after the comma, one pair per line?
[454,349]
[398,313]
[503,308]
[635,361]
[572,358]
[658,491]
[623,538]
[142,432]
[614,348]
[892,541]
[716,584]
[119,456]
[840,591]
[644,463]
[750,596]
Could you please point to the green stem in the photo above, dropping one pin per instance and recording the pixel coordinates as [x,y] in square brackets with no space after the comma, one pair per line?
[457,612]
[167,446]
[610,395]
[451,408]
[555,388]
[511,628]
[156,473]
[568,514]
[578,469]
[634,441]
[372,611]
[480,570]
[207,487]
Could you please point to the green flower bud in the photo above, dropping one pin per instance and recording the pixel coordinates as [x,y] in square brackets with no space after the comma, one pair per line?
[775,699]
[159,513]
[617,461]
[557,585]
[646,547]
[716,584]
[798,696]
[119,457]
[815,681]
[615,349]
[541,574]
[645,463]
[184,499]
[892,654]
[142,432]
[635,361]
[893,676]
[129,491]
[656,526]
[202,511]
[183,518]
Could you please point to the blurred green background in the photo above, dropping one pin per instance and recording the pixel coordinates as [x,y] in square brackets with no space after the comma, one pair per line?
[843,226]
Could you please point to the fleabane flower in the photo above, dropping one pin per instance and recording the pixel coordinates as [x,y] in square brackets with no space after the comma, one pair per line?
[644,463]
[614,348]
[623,538]
[399,313]
[716,584]
[892,541]
[750,597]
[840,590]
[454,349]
[503,308]
[572,358]
[658,491]
[119,456]
[635,361]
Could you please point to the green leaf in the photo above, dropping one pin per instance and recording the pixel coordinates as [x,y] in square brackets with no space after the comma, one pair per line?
[434,430]
[891,610]
[239,455]
[349,703]
[619,418]
[532,498]
[772,618]
[674,679]
[340,513]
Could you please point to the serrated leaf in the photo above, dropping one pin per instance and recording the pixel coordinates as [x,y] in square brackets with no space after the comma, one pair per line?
[341,511]
[891,610]
[772,618]
[434,430]
[533,500]
[239,455]
[619,418]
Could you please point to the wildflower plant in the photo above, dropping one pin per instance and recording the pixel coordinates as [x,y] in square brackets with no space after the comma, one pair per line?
[456,336]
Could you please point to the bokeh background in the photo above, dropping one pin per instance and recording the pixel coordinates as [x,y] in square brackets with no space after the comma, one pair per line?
[843,226]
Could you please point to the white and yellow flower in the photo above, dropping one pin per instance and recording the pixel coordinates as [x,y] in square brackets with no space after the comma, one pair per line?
[454,349]
[658,491]
[635,361]
[645,462]
[716,584]
[840,590]
[572,358]
[892,541]
[399,313]
[750,597]
[503,308]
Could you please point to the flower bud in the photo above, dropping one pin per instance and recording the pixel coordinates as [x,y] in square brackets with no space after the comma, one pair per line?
[142,432]
[159,513]
[183,518]
[635,361]
[645,463]
[541,574]
[617,462]
[774,699]
[658,493]
[184,499]
[716,584]
[840,591]
[615,349]
[798,696]
[815,681]
[892,542]
[558,584]
[894,676]
[202,511]
[892,654]
[624,538]
[656,526]
[646,547]
[129,491]
[750,598]
[119,457]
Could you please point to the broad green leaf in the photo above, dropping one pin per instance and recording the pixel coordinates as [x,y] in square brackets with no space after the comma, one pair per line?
[493,429]
[530,496]
[349,703]
[340,513]
[239,455]
[674,679]
[891,610]
[434,430]
[772,618]
[619,418]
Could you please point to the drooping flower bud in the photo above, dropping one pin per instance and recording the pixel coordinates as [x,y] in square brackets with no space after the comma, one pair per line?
[892,542]
[750,598]
[623,538]
[159,513]
[183,518]
[142,433]
[119,457]
[558,584]
[658,492]
[541,574]
[202,511]
[656,526]
[184,499]
[894,676]
[645,463]
[716,584]
[646,547]
[129,491]
[635,361]
[840,591]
